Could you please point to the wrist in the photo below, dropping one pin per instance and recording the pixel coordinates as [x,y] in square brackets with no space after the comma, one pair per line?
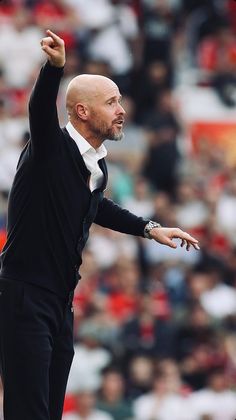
[57,63]
[149,226]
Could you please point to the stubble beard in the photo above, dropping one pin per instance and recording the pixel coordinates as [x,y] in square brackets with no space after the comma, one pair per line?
[103,132]
[111,135]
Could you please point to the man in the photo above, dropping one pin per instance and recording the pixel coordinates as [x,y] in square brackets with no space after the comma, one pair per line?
[56,195]
[85,407]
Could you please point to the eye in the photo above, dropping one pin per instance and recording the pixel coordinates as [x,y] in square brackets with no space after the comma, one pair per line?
[114,101]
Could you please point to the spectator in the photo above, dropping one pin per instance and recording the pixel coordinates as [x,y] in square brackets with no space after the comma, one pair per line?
[146,334]
[191,210]
[111,28]
[171,370]
[161,403]
[162,155]
[155,77]
[122,302]
[195,329]
[225,208]
[219,299]
[13,138]
[89,359]
[85,400]
[162,208]
[158,28]
[111,397]
[216,400]
[217,56]
[141,203]
[17,41]
[113,247]
[139,376]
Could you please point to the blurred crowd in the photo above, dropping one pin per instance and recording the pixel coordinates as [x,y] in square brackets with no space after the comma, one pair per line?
[155,328]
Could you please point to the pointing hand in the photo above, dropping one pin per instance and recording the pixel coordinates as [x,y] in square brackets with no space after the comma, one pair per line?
[54,47]
[165,236]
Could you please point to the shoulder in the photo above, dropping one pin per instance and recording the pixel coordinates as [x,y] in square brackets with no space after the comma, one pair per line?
[101,415]
[144,400]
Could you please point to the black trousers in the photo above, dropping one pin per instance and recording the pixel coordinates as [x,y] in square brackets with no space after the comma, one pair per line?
[36,350]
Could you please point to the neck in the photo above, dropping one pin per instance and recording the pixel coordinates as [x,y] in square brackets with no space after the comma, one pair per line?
[112,398]
[95,142]
[84,411]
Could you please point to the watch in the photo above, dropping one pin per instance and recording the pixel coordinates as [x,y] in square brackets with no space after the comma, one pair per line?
[149,226]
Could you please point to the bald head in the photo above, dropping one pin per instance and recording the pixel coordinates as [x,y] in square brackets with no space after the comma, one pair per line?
[85,89]
[94,108]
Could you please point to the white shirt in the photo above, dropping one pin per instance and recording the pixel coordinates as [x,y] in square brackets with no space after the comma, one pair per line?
[86,367]
[171,406]
[90,155]
[15,46]
[218,405]
[220,301]
[94,415]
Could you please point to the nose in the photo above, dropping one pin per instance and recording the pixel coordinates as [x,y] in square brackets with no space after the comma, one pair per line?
[120,109]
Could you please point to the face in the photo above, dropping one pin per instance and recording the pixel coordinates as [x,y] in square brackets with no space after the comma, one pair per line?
[86,401]
[106,114]
[113,385]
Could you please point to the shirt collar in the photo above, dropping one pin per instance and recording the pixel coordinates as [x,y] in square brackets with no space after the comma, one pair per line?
[82,144]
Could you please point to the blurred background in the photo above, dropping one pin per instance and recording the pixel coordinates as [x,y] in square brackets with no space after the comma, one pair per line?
[155,328]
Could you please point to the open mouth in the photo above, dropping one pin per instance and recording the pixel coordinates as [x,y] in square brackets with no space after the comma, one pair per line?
[119,123]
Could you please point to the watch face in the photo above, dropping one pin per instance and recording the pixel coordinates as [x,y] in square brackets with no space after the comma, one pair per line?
[153,224]
[149,227]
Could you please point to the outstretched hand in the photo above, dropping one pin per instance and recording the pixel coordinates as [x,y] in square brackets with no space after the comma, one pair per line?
[54,47]
[165,236]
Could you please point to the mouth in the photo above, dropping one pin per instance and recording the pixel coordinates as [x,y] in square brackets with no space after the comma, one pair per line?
[119,122]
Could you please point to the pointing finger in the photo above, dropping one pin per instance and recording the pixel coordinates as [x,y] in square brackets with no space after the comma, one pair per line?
[55,37]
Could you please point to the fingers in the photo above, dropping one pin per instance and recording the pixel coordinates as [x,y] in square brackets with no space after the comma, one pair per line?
[165,236]
[55,37]
[54,47]
[47,41]
[189,244]
[196,246]
[169,243]
[182,243]
[52,40]
[178,233]
[186,239]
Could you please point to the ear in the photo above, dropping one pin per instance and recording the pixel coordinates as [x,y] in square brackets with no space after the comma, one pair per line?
[81,111]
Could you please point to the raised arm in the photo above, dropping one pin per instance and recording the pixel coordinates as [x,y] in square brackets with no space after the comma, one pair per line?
[44,124]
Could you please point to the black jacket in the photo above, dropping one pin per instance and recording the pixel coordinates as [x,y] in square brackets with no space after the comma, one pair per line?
[51,206]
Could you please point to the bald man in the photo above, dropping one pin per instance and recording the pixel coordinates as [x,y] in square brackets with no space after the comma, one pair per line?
[56,195]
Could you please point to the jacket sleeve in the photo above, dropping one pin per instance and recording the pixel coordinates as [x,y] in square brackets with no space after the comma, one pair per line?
[112,216]
[43,118]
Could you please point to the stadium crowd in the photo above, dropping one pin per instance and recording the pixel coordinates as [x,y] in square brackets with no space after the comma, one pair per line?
[155,328]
